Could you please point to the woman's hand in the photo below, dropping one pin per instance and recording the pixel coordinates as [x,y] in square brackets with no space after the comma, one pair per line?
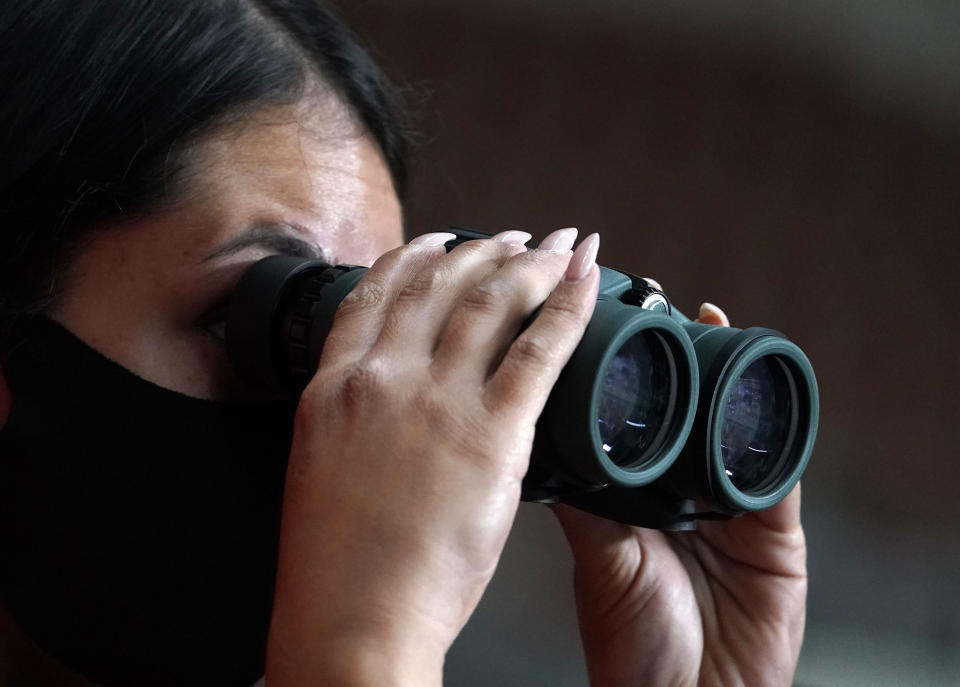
[410,445]
[724,605]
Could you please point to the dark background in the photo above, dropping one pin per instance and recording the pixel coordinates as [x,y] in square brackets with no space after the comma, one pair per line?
[797,164]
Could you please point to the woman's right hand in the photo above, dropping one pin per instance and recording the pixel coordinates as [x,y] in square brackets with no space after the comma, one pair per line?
[410,445]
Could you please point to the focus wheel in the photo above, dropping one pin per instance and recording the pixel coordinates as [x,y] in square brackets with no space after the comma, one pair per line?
[645,296]
[301,327]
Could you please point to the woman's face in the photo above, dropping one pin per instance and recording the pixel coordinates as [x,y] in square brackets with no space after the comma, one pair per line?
[300,180]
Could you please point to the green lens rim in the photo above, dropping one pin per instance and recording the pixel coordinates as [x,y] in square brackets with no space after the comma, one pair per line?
[688,393]
[791,468]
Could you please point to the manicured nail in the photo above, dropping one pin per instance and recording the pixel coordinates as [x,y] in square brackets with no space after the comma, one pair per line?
[707,309]
[436,238]
[513,236]
[584,257]
[559,241]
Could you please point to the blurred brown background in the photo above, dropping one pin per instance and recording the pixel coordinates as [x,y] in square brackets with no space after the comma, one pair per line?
[798,164]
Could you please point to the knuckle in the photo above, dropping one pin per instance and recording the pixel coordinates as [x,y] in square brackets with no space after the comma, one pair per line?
[313,404]
[564,310]
[367,295]
[497,251]
[307,405]
[482,298]
[392,259]
[392,255]
[427,284]
[535,258]
[506,252]
[426,403]
[475,246]
[534,350]
[360,384]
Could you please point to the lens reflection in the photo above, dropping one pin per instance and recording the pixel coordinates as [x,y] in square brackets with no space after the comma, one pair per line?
[758,423]
[637,400]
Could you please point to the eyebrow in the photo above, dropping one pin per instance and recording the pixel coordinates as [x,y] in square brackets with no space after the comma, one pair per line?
[275,237]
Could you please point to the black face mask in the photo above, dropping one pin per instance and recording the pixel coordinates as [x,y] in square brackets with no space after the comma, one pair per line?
[138,526]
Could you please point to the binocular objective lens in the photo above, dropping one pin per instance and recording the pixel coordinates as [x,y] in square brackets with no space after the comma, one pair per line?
[759,421]
[637,400]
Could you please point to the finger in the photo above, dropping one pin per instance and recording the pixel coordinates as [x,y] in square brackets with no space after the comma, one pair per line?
[591,537]
[487,318]
[785,516]
[613,560]
[533,362]
[360,316]
[711,314]
[770,540]
[422,306]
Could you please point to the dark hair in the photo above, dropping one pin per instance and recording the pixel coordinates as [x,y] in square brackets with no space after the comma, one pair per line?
[101,97]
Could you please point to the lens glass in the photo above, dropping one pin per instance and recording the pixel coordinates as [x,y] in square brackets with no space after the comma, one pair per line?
[637,399]
[758,422]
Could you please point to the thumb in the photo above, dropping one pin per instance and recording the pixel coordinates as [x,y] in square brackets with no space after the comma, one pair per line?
[711,314]
[614,562]
[593,540]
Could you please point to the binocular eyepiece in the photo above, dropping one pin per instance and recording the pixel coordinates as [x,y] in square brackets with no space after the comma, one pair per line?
[655,421]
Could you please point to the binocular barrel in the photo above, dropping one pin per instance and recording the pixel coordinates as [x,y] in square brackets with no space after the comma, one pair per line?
[655,421]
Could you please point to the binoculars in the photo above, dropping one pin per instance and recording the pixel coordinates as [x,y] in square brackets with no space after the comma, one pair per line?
[655,421]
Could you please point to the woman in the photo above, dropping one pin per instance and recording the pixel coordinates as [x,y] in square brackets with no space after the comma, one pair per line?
[152,151]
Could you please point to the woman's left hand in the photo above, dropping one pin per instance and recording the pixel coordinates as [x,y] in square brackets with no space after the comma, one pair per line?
[722,605]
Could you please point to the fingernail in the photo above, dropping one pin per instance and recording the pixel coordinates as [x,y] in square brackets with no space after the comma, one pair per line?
[436,238]
[513,236]
[559,241]
[583,258]
[711,309]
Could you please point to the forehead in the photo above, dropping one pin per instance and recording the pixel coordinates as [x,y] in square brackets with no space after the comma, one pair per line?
[309,171]
[310,166]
